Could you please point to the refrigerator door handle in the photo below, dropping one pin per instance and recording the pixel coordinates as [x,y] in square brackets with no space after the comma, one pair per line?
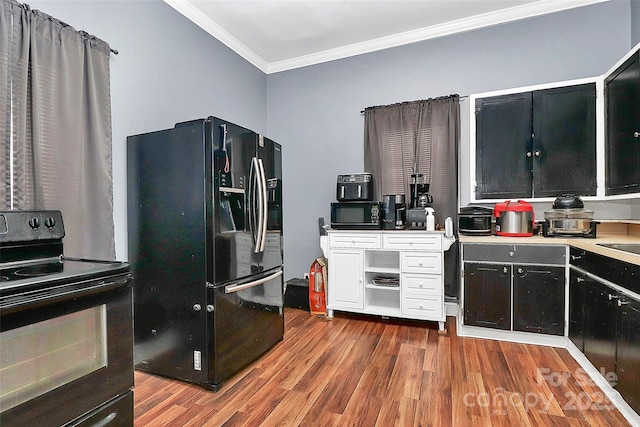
[263,207]
[253,183]
[235,288]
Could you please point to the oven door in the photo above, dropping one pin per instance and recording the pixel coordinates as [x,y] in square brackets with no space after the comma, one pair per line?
[66,351]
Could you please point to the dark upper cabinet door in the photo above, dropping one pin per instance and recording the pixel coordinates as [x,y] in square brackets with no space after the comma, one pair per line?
[622,117]
[628,369]
[538,299]
[503,146]
[564,141]
[487,295]
[600,326]
[577,291]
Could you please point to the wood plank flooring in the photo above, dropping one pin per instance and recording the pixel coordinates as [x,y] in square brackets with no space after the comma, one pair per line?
[365,371]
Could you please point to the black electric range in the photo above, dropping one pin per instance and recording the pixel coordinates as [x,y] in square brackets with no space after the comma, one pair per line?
[70,320]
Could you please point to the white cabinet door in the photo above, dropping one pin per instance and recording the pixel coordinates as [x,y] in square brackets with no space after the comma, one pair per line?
[346,285]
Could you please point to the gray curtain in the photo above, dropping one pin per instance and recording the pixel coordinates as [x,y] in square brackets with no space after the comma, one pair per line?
[56,126]
[418,137]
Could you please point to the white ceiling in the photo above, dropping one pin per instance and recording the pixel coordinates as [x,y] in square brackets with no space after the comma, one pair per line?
[278,35]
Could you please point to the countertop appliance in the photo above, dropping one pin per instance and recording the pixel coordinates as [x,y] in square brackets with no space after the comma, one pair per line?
[205,247]
[514,218]
[475,220]
[354,187]
[394,212]
[420,197]
[568,217]
[66,335]
[356,215]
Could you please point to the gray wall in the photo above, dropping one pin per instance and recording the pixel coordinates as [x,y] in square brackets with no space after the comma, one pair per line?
[168,70]
[316,110]
[635,22]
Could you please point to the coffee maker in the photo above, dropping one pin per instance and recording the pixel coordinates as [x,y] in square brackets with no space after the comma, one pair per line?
[416,217]
[393,211]
[420,197]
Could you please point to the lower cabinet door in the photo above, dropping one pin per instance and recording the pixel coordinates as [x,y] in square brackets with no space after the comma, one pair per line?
[538,299]
[628,368]
[346,287]
[577,289]
[600,327]
[487,295]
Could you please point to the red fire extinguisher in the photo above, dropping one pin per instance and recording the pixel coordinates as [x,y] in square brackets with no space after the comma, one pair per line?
[317,280]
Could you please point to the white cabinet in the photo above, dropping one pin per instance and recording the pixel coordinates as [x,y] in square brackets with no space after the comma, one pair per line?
[348,290]
[388,273]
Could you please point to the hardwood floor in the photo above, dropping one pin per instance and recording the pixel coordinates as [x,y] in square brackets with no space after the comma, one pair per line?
[365,371]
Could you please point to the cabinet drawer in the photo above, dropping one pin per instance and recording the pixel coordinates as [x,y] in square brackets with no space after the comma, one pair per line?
[356,241]
[426,284]
[414,241]
[530,254]
[423,306]
[422,262]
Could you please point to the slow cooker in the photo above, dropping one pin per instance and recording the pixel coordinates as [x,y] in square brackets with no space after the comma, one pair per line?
[514,218]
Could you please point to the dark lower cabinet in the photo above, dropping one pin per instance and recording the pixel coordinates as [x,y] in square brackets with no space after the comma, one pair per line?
[604,323]
[577,315]
[628,368]
[538,299]
[487,295]
[600,326]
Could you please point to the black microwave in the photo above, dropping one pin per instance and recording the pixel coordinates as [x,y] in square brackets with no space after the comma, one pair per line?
[356,215]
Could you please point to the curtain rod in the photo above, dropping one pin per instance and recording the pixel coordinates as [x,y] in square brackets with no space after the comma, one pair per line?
[430,99]
[84,34]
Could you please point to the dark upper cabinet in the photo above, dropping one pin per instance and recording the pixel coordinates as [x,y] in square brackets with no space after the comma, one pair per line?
[503,137]
[537,144]
[622,117]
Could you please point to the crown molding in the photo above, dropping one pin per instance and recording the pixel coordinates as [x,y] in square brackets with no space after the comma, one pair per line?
[203,21]
[525,11]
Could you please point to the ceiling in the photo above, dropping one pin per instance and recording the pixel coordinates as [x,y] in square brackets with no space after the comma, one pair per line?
[278,35]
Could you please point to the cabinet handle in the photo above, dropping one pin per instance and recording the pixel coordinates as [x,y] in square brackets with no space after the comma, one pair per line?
[573,257]
[636,134]
[612,297]
[520,270]
[621,303]
[197,307]
[504,270]
[529,154]
[537,153]
[580,279]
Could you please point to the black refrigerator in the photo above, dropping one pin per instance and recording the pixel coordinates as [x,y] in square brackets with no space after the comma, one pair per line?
[205,248]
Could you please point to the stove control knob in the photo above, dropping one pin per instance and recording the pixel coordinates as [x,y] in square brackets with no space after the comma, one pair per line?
[34,223]
[50,222]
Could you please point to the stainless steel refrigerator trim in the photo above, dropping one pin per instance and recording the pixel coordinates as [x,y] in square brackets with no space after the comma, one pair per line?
[235,288]
[253,183]
[263,206]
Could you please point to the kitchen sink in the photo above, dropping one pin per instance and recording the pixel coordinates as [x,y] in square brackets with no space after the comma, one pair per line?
[633,248]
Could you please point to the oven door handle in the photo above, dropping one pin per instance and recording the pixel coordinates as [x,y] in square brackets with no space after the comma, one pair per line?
[235,288]
[41,297]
